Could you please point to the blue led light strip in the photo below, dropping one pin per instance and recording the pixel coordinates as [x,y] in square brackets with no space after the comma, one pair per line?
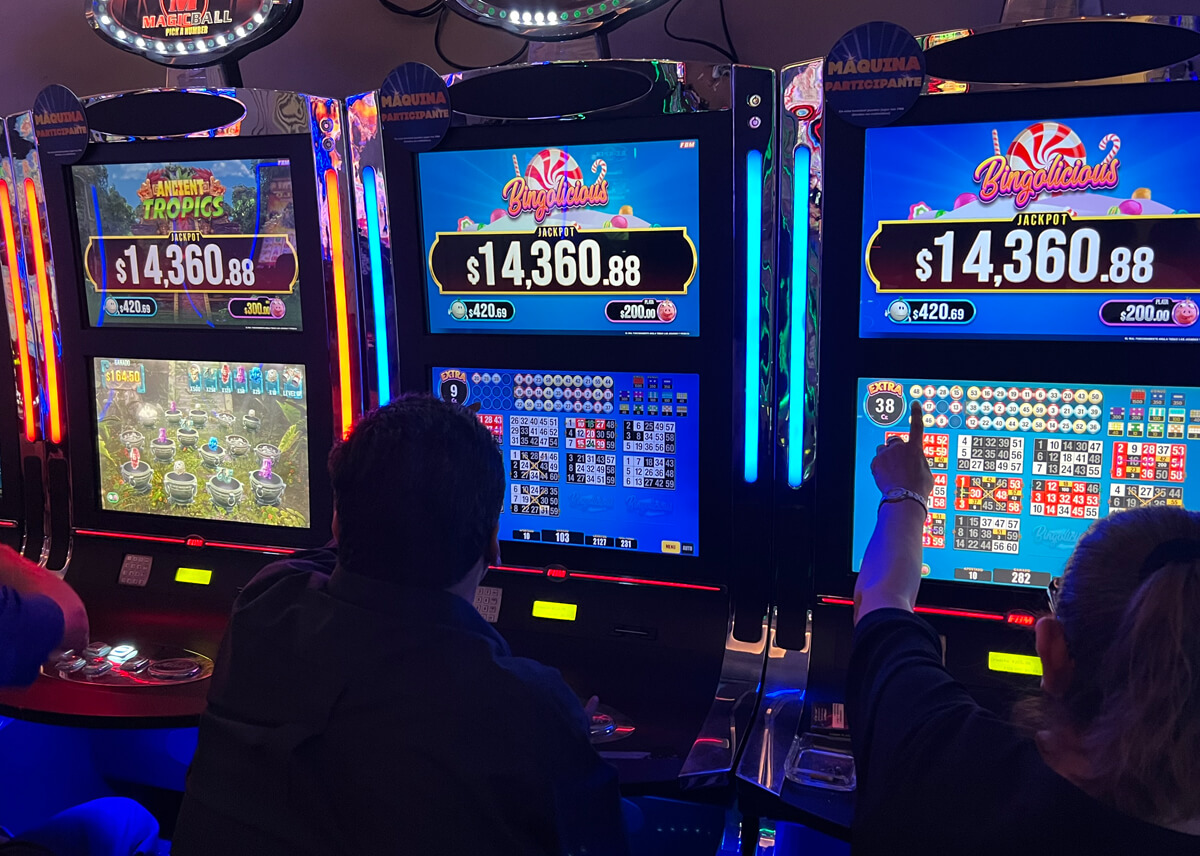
[798,319]
[383,372]
[754,184]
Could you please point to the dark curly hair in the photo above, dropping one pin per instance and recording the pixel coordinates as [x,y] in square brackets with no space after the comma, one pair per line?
[417,486]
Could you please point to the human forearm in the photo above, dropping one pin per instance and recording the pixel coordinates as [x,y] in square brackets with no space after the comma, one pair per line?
[890,574]
[21,575]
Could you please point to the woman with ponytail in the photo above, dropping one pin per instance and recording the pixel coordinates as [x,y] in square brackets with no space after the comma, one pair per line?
[1105,760]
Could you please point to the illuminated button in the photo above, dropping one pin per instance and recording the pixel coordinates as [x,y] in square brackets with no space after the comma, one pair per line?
[1095,396]
[554,610]
[915,390]
[135,665]
[1039,425]
[1012,423]
[121,653]
[97,649]
[670,546]
[194,576]
[973,393]
[1081,395]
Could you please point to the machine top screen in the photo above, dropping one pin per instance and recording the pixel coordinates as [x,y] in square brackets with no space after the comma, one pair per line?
[1022,469]
[203,440]
[1049,228]
[606,460]
[206,244]
[590,239]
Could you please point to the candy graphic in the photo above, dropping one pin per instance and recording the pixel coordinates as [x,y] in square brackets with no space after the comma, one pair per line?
[516,166]
[1116,147]
[619,222]
[964,199]
[627,210]
[498,214]
[1130,206]
[549,166]
[995,141]
[1142,193]
[1037,146]
[918,209]
[602,165]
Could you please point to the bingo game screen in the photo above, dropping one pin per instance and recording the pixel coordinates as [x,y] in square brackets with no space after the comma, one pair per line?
[198,244]
[1054,228]
[1021,470]
[606,460]
[208,440]
[588,239]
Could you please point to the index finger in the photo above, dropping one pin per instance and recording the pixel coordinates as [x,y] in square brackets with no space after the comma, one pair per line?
[916,424]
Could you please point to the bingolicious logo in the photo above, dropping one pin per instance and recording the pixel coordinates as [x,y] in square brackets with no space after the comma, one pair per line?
[553,181]
[175,192]
[1047,157]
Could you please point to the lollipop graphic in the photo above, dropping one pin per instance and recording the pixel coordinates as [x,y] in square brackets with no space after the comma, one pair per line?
[1038,145]
[548,166]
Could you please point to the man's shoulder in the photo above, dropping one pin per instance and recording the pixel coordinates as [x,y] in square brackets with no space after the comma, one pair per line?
[545,688]
[297,571]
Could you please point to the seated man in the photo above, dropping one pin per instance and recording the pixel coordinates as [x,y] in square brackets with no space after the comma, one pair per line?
[38,613]
[361,705]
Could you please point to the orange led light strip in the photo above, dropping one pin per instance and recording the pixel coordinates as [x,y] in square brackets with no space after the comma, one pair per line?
[47,314]
[333,198]
[10,244]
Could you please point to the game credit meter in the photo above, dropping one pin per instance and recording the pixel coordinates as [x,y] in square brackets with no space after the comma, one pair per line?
[1021,470]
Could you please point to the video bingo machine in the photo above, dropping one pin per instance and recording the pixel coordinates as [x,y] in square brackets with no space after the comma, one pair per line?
[208,362]
[600,292]
[1022,269]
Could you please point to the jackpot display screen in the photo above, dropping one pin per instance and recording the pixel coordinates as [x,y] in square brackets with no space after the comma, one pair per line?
[206,244]
[587,239]
[206,440]
[606,460]
[1050,228]
[1022,470]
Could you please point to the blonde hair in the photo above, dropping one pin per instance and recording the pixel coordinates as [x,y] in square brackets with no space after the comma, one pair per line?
[1129,604]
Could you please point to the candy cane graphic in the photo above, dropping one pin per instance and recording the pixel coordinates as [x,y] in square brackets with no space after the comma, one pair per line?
[996,141]
[1116,147]
[599,164]
[516,166]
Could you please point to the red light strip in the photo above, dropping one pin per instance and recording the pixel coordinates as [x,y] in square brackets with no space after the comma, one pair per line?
[642,582]
[10,243]
[512,570]
[333,198]
[8,524]
[926,610]
[47,314]
[167,539]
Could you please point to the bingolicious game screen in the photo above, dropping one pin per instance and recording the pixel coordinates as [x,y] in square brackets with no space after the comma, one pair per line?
[1053,228]
[206,440]
[588,239]
[198,244]
[1022,470]
[609,460]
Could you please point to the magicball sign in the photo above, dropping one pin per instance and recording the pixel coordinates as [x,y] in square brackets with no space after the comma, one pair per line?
[874,74]
[597,239]
[1055,227]
[190,32]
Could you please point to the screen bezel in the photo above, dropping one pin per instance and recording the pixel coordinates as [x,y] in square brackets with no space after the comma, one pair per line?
[617,333]
[422,350]
[83,343]
[845,357]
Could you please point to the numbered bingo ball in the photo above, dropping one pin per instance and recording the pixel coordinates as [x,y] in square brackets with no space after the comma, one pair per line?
[667,311]
[498,214]
[619,222]
[964,199]
[1185,313]
[1142,193]
[627,210]
[1130,206]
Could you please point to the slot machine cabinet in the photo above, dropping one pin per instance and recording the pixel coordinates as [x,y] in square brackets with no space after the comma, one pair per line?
[1013,492]
[23,507]
[641,581]
[264,370]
